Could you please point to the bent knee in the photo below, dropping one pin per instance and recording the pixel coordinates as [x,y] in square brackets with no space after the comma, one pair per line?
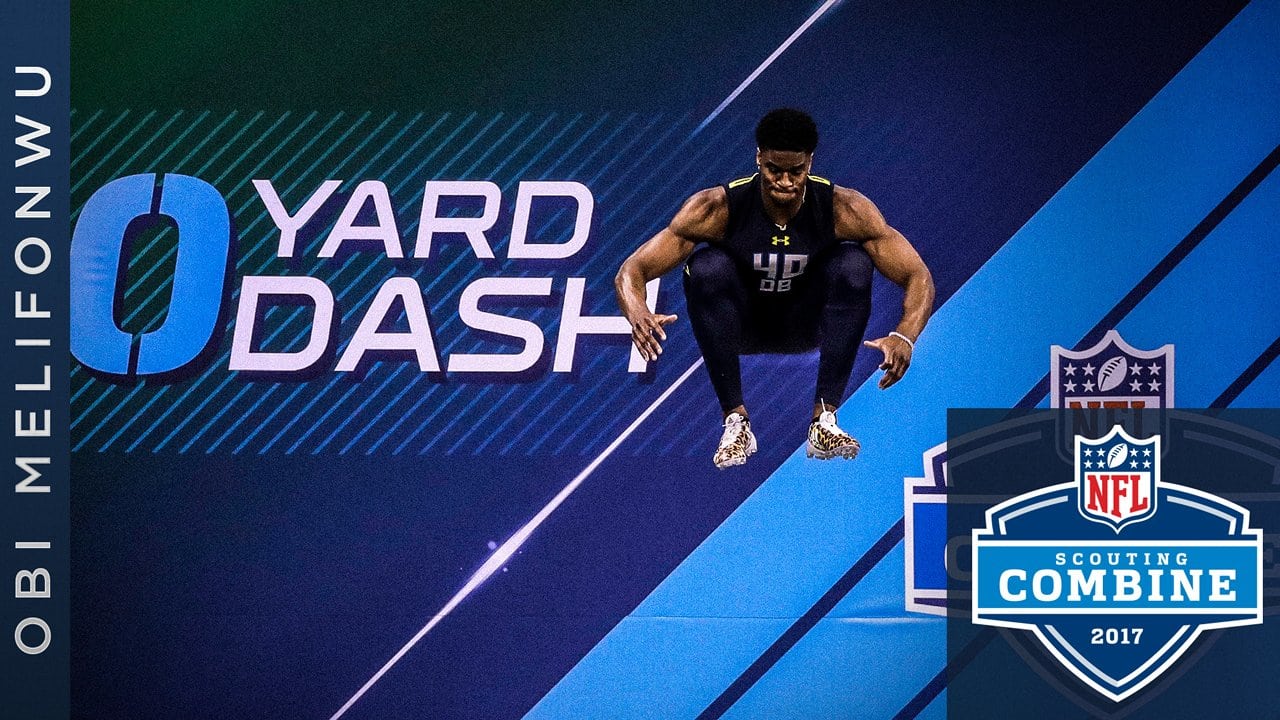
[849,268]
[710,269]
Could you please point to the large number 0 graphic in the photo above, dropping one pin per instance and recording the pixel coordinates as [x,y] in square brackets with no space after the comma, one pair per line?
[204,242]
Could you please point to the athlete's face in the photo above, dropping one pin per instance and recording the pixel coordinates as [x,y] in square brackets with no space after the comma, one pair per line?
[783,174]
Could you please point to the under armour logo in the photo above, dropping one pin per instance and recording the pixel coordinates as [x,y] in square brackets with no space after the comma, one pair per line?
[784,240]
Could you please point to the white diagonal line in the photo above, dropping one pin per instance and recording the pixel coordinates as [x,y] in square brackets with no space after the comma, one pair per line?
[513,543]
[505,551]
[767,62]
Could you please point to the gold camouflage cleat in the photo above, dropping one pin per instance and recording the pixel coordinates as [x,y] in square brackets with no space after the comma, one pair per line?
[736,444]
[827,440]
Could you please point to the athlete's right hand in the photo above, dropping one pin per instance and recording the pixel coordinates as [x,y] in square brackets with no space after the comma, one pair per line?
[646,332]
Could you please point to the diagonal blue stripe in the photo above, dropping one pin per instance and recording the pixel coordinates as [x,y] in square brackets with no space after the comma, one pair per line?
[1191,293]
[1264,391]
[168,148]
[137,388]
[580,423]
[529,423]
[480,422]
[681,410]
[80,417]
[304,436]
[123,167]
[84,152]
[234,139]
[123,141]
[85,124]
[801,529]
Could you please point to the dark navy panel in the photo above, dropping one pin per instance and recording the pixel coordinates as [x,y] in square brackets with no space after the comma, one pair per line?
[35,619]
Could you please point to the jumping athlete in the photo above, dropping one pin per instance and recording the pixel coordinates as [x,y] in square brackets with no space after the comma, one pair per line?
[784,266]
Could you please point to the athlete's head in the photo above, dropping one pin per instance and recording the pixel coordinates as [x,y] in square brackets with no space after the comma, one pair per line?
[787,129]
[785,141]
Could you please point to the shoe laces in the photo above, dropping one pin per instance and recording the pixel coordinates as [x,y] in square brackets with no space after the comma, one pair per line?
[827,421]
[734,426]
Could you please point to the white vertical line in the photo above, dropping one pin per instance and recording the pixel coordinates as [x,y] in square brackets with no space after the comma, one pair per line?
[504,552]
[767,62]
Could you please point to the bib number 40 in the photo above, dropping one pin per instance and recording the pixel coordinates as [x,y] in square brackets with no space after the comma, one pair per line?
[779,270]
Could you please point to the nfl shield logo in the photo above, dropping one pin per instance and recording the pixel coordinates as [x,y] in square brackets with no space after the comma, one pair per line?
[1111,374]
[1117,476]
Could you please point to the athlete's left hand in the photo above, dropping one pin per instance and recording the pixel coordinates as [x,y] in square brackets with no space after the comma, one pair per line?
[897,358]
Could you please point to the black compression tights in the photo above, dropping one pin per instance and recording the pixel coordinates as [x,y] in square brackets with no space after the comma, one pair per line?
[830,314]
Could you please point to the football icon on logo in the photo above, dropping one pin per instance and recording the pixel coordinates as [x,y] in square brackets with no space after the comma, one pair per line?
[1117,456]
[1112,373]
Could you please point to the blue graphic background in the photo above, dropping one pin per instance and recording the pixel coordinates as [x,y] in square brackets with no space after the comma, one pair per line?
[260,547]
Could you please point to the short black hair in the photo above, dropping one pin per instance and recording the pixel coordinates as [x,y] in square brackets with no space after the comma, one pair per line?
[787,129]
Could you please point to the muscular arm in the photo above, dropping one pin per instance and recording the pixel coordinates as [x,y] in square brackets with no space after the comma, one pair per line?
[857,218]
[703,217]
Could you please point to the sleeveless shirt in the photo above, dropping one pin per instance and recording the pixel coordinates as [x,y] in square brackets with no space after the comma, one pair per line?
[774,259]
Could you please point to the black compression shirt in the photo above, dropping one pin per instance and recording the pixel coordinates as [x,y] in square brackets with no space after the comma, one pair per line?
[774,258]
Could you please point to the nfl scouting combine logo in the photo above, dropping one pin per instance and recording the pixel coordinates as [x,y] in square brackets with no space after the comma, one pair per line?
[1111,377]
[1117,573]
